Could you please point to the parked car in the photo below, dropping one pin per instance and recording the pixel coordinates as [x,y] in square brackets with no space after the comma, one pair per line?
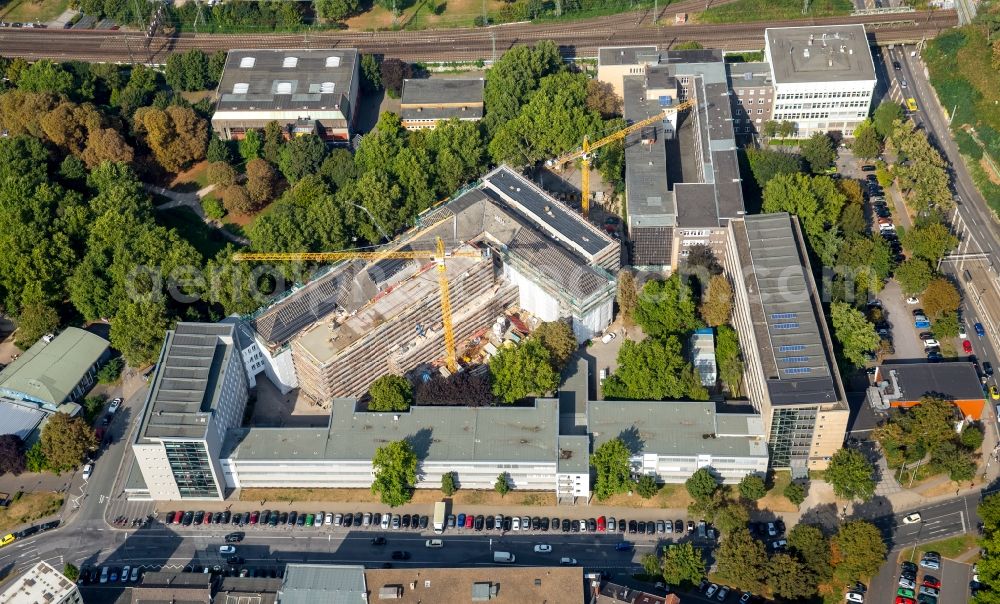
[567,561]
[967,346]
[723,593]
[853,596]
[711,590]
[988,369]
[115,405]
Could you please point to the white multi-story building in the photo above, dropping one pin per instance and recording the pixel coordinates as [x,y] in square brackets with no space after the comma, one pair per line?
[822,77]
[199,392]
[42,583]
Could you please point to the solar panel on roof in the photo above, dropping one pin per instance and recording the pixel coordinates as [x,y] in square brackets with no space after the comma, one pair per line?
[795,359]
[783,315]
[786,325]
[797,370]
[791,348]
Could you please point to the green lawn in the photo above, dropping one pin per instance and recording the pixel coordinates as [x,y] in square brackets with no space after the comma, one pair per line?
[204,238]
[952,547]
[773,10]
[30,11]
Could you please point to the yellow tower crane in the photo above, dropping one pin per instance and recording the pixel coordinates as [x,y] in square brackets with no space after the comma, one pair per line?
[583,153]
[438,255]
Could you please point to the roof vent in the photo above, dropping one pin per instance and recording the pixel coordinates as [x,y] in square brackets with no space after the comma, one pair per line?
[290,62]
[326,87]
[241,88]
[333,61]
[805,53]
[248,62]
[284,88]
[395,418]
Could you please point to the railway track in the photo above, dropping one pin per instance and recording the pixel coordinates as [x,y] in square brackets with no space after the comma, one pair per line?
[577,39]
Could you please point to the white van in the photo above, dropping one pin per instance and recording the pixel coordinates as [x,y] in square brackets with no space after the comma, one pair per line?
[503,557]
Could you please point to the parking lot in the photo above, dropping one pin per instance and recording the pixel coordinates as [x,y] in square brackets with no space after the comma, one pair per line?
[899,315]
[954,577]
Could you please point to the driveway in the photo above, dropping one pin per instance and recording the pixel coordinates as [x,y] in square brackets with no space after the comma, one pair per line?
[899,314]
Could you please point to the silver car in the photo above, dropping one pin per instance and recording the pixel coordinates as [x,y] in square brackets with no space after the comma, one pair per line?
[395,521]
[367,519]
[612,524]
[525,523]
[498,522]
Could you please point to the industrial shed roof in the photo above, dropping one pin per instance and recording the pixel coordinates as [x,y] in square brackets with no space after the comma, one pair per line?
[49,371]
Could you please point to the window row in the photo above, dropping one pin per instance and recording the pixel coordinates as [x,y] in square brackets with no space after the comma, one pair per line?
[825,95]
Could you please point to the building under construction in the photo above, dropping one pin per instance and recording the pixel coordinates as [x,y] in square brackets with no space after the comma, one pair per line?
[359,320]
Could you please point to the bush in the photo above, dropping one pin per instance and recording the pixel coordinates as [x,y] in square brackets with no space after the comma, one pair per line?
[390,393]
[111,371]
[448,484]
[752,487]
[213,207]
[220,174]
[646,486]
[92,406]
[795,493]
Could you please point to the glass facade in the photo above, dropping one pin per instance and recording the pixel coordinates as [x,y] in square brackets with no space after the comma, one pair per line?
[192,469]
[791,435]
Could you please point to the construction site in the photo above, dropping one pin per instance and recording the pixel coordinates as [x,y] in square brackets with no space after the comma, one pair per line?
[513,257]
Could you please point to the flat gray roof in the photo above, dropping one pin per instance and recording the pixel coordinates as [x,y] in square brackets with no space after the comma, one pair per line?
[788,323]
[956,380]
[328,583]
[676,428]
[623,55]
[316,79]
[508,433]
[19,419]
[822,53]
[574,454]
[433,91]
[749,75]
[650,200]
[188,380]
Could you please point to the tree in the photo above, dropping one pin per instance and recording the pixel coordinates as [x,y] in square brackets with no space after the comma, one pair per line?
[851,475]
[502,484]
[702,484]
[752,487]
[611,461]
[731,516]
[929,241]
[12,457]
[867,142]
[648,370]
[852,220]
[71,572]
[795,493]
[717,303]
[971,437]
[390,393]
[220,174]
[940,297]
[35,458]
[683,565]
[218,150]
[250,145]
[522,370]
[816,200]
[237,200]
[137,330]
[689,45]
[601,98]
[393,72]
[66,441]
[789,578]
[336,10]
[213,208]
[34,321]
[189,71]
[111,371]
[947,325]
[627,295]
[371,74]
[930,423]
[448,486]
[810,545]
[729,360]
[854,332]
[46,76]
[557,337]
[857,551]
[701,261]
[667,307]
[818,151]
[395,468]
[786,129]
[765,164]
[338,168]
[914,275]
[742,561]
[514,77]
[274,141]
[646,486]
[651,564]
[301,156]
[884,118]
[176,135]
[261,179]
[106,145]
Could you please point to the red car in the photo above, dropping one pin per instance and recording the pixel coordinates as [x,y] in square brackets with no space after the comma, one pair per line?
[208,517]
[469,520]
[178,517]
[902,600]
[967,346]
[601,524]
[254,517]
[930,581]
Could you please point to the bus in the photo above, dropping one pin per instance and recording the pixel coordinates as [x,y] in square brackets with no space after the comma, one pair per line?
[911,104]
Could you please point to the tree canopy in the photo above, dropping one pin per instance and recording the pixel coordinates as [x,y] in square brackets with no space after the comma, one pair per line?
[855,333]
[12,452]
[395,467]
[683,565]
[667,307]
[611,462]
[702,484]
[653,369]
[390,393]
[752,487]
[522,370]
[818,151]
[66,441]
[717,302]
[851,475]
[557,337]
[857,551]
[742,561]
